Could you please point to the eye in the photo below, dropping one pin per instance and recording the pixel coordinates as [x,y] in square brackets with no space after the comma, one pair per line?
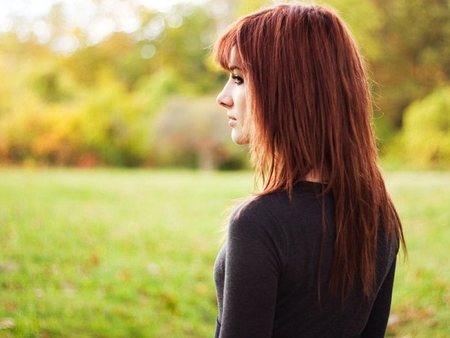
[237,79]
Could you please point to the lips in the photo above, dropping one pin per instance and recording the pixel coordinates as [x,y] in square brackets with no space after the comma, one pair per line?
[232,121]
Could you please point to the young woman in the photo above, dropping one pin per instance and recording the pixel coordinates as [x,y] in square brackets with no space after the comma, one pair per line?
[313,253]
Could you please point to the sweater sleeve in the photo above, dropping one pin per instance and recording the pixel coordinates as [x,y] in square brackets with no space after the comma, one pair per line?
[378,319]
[251,279]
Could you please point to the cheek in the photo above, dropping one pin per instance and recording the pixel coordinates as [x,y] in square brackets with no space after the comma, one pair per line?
[243,106]
[246,125]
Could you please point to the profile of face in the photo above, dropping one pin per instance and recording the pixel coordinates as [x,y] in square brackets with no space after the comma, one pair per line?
[234,98]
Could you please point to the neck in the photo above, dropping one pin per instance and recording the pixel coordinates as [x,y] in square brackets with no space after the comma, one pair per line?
[314,176]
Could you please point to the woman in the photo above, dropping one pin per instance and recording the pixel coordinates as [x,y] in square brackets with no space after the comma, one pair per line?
[313,253]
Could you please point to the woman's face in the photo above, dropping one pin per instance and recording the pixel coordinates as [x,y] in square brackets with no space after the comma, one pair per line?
[234,98]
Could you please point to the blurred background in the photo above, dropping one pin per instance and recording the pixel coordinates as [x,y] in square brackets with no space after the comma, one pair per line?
[131,82]
[127,88]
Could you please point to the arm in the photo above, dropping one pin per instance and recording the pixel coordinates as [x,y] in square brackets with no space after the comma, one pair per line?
[251,279]
[378,319]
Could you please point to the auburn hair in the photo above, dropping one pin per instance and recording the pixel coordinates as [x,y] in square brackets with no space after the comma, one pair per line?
[311,109]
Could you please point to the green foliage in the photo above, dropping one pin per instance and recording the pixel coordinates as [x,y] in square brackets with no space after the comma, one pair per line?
[97,106]
[189,32]
[363,18]
[106,96]
[413,58]
[112,126]
[246,7]
[425,139]
[104,128]
[122,253]
[154,90]
[51,83]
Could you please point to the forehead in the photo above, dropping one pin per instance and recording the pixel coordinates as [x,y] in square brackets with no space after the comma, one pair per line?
[235,61]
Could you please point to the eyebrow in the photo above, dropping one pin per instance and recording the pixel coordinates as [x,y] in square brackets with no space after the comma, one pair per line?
[234,67]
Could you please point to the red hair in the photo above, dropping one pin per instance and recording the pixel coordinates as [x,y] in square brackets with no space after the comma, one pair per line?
[310,109]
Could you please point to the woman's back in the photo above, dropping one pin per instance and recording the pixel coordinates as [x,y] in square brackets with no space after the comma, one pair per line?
[267,273]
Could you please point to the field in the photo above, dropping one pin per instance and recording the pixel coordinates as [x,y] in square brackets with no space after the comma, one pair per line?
[129,253]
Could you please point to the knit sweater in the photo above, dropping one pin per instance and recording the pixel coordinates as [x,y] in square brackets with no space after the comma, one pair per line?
[267,276]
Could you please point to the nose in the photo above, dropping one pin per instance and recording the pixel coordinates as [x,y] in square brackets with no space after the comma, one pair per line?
[224,99]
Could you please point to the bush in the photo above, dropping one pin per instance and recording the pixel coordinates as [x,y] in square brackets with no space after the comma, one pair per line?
[113,126]
[425,139]
[104,127]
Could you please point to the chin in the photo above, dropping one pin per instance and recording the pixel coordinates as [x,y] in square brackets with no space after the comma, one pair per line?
[239,138]
[241,142]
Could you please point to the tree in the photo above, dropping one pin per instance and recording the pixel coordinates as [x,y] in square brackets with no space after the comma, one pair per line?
[183,46]
[414,53]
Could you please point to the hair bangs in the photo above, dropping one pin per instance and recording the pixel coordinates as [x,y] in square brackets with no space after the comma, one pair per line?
[223,47]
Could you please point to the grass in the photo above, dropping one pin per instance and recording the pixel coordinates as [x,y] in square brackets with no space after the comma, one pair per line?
[110,253]
[421,301]
[123,253]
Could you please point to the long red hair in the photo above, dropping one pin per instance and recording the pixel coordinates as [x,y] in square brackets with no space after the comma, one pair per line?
[310,109]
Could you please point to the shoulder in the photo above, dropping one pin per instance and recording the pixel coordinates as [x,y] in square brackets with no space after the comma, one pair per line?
[255,233]
[305,197]
[278,208]
[259,207]
[278,215]
[255,217]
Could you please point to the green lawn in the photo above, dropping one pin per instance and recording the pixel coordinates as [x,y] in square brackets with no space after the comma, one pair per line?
[421,304]
[129,253]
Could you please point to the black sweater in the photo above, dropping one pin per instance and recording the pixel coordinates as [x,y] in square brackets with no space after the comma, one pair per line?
[266,274]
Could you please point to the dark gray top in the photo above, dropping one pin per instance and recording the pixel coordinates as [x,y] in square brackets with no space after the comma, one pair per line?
[266,274]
